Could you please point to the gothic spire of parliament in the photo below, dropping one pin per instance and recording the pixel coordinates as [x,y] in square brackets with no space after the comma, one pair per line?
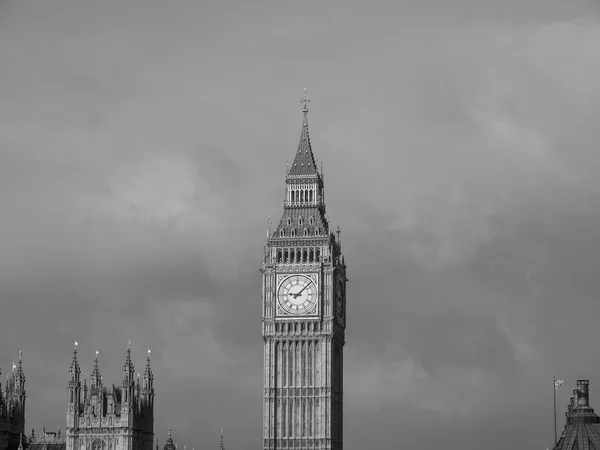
[12,408]
[303,315]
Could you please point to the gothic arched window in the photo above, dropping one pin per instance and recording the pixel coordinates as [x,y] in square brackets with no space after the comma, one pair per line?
[300,221]
[281,233]
[289,221]
[311,220]
[306,232]
[279,256]
[316,231]
[293,232]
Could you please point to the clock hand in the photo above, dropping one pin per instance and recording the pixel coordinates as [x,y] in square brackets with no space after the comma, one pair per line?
[297,294]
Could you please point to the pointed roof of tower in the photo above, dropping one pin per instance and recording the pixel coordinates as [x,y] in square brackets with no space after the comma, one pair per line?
[304,161]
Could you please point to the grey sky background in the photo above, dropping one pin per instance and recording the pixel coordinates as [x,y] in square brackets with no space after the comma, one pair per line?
[143,146]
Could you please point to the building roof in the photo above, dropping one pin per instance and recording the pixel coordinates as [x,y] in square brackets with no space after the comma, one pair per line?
[582,428]
[47,446]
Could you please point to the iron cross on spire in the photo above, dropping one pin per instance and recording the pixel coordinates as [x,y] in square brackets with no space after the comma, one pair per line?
[338,231]
[305,101]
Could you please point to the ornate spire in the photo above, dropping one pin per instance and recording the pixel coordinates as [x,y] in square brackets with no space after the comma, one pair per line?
[304,162]
[74,369]
[20,375]
[96,378]
[148,375]
[222,447]
[128,368]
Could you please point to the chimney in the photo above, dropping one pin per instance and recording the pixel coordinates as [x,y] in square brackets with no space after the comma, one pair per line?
[583,397]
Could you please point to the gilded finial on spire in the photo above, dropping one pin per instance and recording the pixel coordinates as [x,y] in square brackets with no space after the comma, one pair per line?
[169,432]
[75,345]
[96,353]
[305,101]
[129,345]
[20,355]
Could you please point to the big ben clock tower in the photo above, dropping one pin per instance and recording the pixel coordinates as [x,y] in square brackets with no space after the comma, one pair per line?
[303,315]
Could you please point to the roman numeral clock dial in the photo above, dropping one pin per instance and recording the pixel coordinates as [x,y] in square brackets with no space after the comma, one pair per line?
[297,295]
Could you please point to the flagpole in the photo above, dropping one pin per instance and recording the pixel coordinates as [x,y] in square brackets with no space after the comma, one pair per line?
[554,391]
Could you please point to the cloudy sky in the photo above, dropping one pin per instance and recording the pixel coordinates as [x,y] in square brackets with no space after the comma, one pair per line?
[143,147]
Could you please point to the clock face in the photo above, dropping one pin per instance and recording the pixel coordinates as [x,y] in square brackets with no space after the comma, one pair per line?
[298,295]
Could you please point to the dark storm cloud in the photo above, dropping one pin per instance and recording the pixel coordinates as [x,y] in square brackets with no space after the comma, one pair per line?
[143,148]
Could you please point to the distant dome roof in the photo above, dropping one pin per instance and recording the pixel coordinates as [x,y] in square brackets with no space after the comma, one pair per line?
[582,429]
[169,445]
